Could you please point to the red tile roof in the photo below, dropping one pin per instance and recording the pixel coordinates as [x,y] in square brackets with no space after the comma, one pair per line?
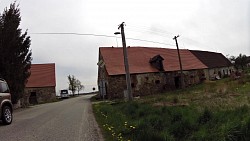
[42,75]
[138,58]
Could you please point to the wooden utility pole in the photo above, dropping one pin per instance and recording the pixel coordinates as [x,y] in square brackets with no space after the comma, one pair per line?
[125,55]
[182,80]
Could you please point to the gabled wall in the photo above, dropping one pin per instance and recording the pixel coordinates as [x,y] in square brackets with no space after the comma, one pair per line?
[43,94]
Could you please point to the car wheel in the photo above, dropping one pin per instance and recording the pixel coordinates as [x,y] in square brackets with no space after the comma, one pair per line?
[6,115]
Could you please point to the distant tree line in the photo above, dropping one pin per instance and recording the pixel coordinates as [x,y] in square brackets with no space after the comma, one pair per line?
[240,62]
[74,84]
[15,53]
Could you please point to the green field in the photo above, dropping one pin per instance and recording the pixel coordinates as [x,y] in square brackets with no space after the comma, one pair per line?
[217,110]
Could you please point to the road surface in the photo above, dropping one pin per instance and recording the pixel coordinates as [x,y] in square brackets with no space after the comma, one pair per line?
[68,120]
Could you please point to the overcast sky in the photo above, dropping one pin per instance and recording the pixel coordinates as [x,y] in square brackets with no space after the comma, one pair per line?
[212,25]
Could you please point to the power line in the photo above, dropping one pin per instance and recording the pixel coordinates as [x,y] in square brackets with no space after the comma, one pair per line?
[71,33]
[163,33]
[150,32]
[158,31]
[150,41]
[99,35]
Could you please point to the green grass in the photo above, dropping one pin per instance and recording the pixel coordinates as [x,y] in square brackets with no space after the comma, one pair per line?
[211,111]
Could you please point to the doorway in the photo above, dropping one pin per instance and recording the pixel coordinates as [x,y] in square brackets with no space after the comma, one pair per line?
[33,98]
[177,82]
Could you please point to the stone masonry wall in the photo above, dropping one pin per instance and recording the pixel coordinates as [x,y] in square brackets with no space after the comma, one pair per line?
[116,86]
[142,84]
[150,83]
[44,94]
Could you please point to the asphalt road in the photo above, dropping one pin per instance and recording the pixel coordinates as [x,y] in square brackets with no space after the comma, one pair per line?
[68,120]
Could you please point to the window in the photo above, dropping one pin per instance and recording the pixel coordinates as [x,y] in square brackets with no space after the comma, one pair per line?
[4,88]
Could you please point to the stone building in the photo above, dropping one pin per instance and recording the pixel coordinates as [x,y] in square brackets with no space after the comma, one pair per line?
[41,85]
[153,70]
[218,65]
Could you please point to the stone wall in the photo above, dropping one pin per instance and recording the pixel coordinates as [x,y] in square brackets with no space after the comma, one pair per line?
[116,86]
[39,95]
[148,83]
[142,84]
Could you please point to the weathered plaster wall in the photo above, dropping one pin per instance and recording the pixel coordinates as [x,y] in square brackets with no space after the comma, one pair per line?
[222,72]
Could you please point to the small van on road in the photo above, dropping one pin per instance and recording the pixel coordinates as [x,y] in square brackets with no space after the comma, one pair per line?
[64,94]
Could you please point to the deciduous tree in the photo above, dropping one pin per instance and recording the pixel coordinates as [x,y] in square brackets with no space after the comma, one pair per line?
[79,86]
[241,61]
[72,83]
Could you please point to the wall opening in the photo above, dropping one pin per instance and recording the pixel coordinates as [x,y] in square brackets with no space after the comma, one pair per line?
[157,81]
[133,85]
[177,82]
[33,98]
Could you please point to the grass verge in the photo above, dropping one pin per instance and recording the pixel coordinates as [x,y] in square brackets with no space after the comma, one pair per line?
[212,111]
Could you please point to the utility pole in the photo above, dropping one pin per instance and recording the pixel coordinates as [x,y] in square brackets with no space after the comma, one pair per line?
[125,55]
[182,82]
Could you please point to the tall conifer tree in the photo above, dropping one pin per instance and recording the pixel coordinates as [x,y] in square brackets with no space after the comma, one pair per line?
[15,53]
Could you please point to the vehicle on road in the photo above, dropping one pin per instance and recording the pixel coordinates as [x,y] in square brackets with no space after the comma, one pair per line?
[64,94]
[6,107]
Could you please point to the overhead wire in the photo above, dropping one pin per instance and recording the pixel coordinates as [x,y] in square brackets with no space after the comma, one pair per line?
[98,35]
[150,30]
[140,29]
[72,33]
[164,33]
